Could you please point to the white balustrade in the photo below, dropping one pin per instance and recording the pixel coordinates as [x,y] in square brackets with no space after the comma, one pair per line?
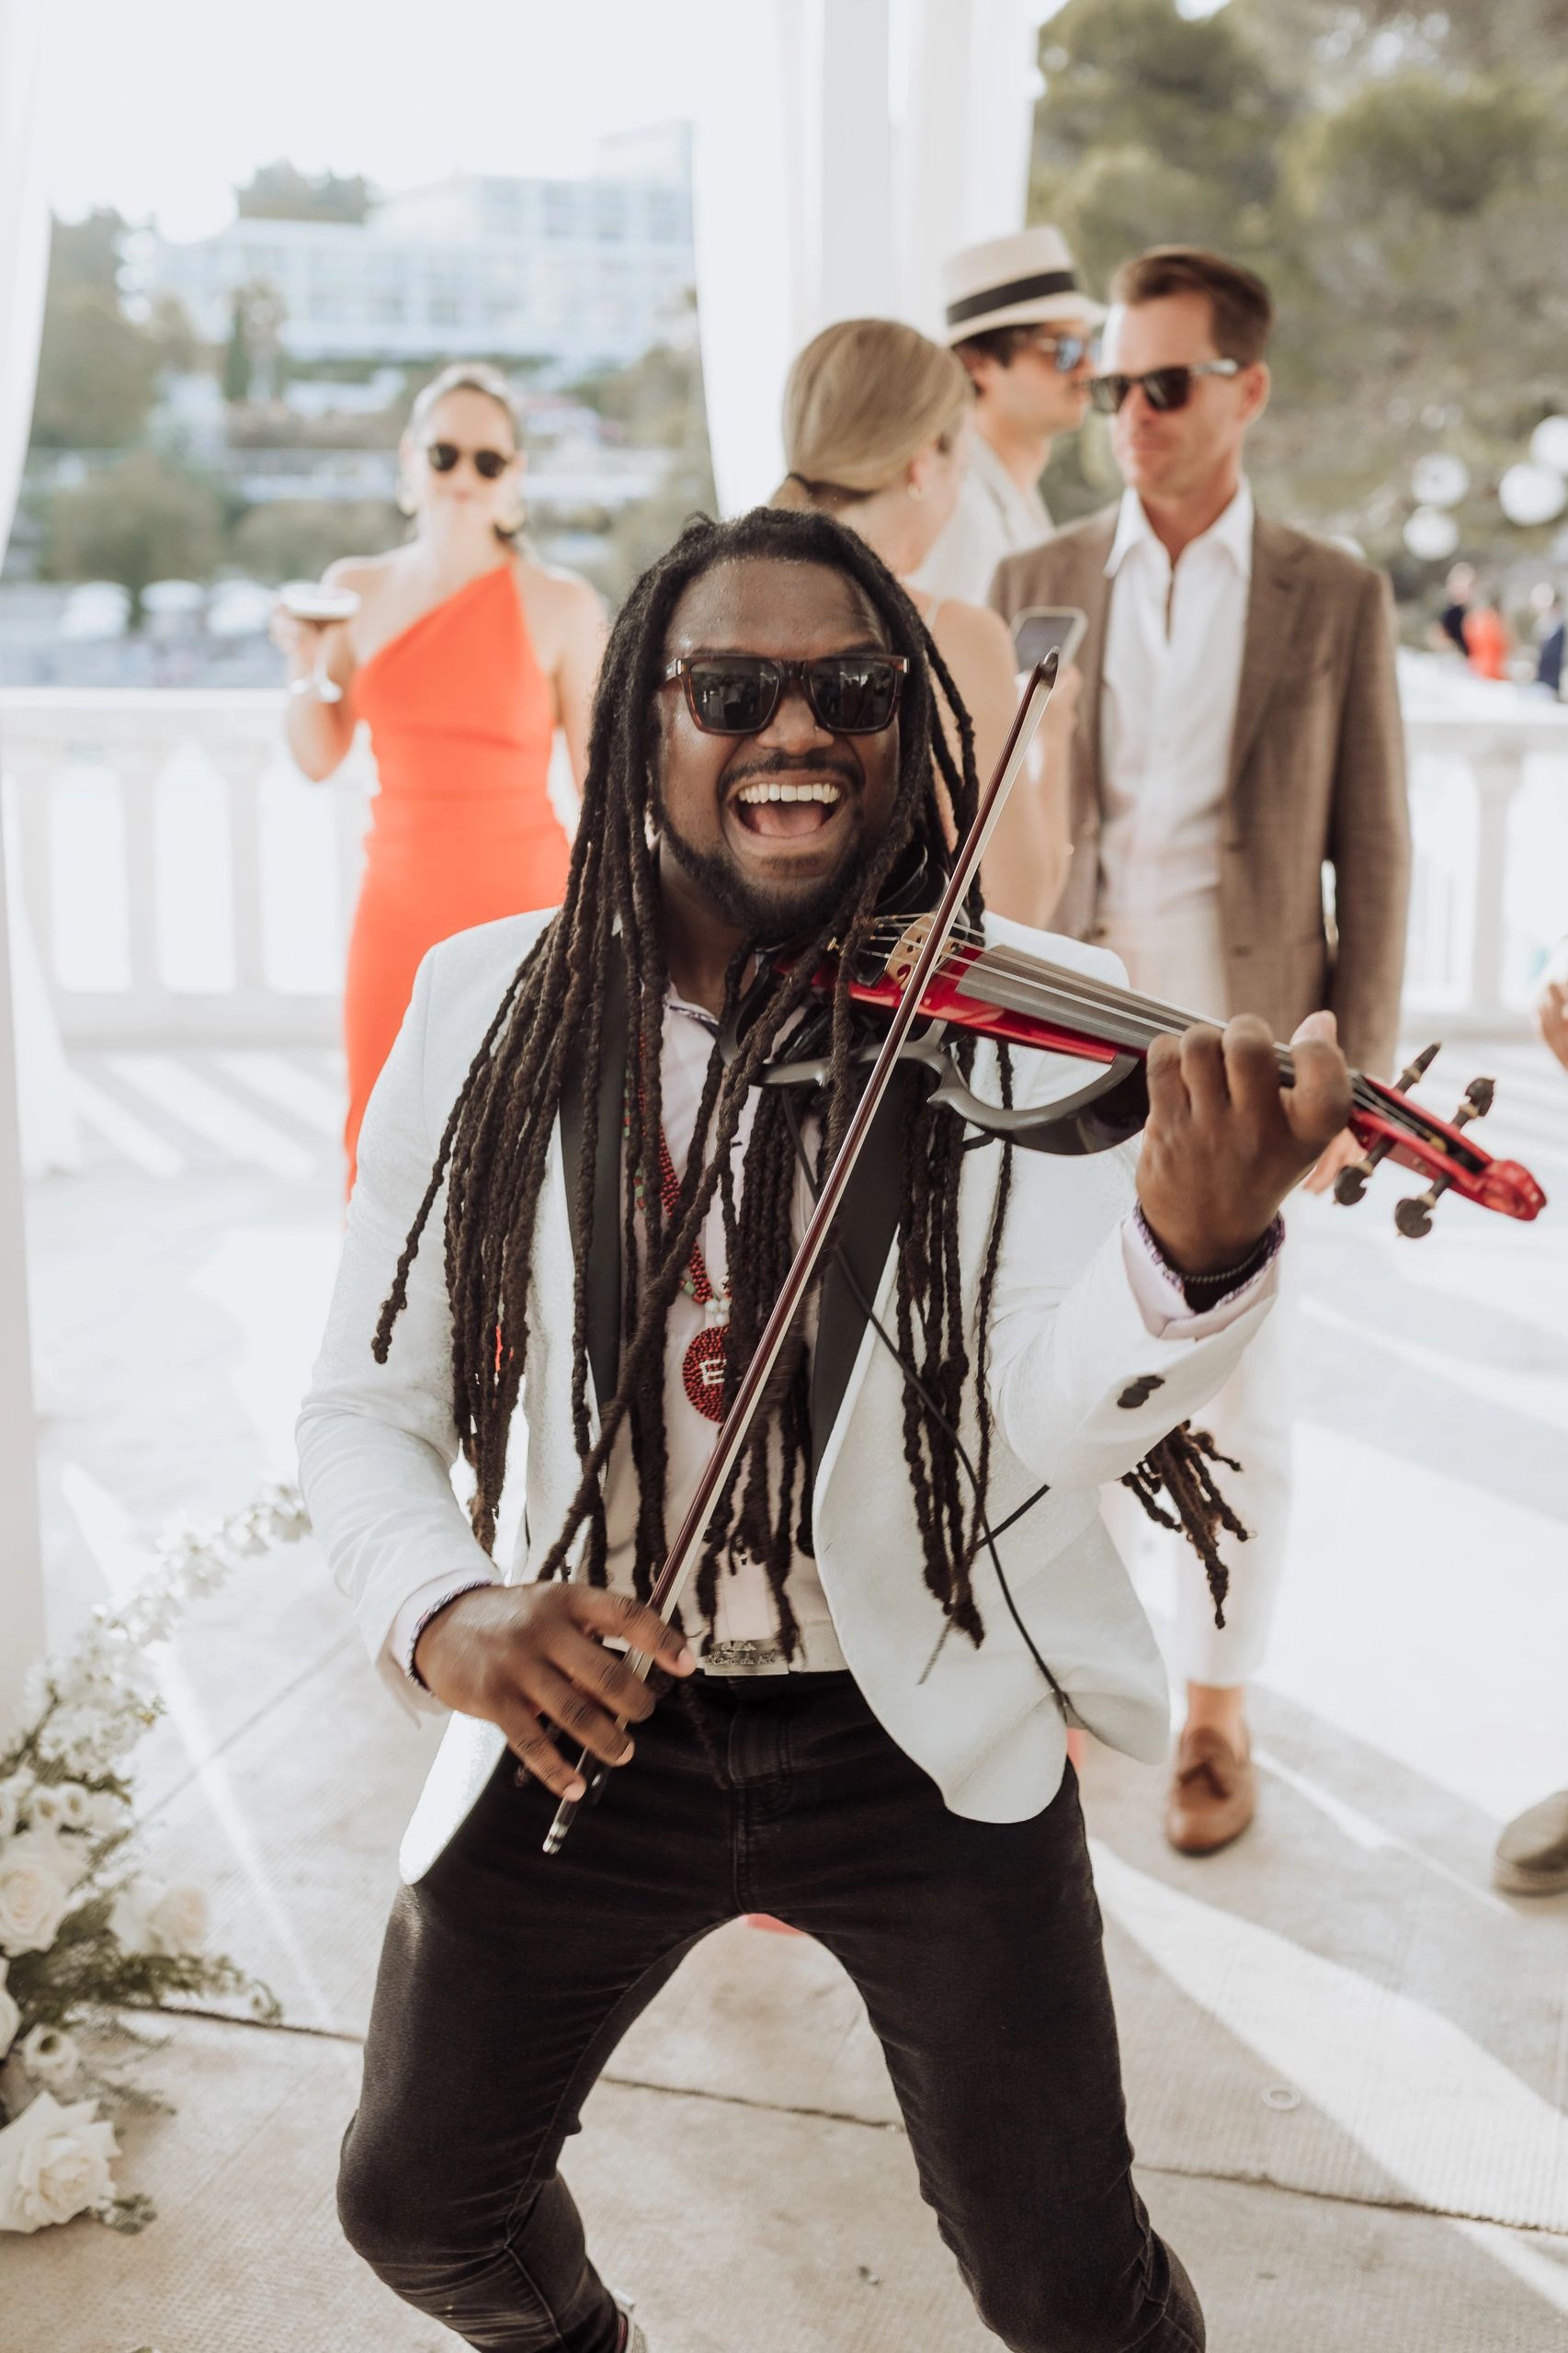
[184,881]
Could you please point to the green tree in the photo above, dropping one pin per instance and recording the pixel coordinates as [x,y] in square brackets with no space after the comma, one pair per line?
[281,192]
[296,539]
[1400,176]
[97,369]
[96,373]
[237,370]
[138,521]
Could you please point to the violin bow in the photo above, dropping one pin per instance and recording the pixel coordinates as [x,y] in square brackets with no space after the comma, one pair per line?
[735,1429]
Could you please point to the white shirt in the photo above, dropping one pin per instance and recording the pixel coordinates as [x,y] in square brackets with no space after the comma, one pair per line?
[745,1627]
[1173,663]
[995,517]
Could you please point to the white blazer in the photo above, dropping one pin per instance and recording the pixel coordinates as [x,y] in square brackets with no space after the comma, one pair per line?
[1081,1388]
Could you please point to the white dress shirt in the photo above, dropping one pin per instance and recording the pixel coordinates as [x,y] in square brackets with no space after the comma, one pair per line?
[996,516]
[1173,663]
[745,1633]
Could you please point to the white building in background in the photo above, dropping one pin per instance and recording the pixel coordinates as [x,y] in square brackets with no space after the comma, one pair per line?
[580,273]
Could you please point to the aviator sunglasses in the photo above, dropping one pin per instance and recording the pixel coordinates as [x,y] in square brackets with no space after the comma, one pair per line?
[737,693]
[1163,388]
[1066,351]
[445,455]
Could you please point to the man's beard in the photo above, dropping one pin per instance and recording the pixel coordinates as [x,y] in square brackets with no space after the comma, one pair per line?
[768,918]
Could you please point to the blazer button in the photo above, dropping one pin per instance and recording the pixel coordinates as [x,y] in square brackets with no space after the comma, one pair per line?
[1138,1392]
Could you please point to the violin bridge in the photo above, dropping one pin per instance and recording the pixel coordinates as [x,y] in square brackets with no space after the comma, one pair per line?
[906,954]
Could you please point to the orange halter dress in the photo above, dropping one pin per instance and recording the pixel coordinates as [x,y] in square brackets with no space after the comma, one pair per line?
[461,828]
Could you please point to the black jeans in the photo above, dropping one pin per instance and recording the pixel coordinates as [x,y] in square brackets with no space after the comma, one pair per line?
[507,1979]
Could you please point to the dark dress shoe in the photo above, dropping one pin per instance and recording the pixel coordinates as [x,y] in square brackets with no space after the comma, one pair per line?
[1213,1794]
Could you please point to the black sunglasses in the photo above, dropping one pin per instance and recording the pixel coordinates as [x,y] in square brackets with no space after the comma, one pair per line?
[737,693]
[1066,351]
[445,455]
[1163,388]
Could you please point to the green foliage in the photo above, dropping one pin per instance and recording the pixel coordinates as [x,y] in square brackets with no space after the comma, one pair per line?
[281,192]
[296,539]
[98,369]
[138,521]
[237,367]
[96,373]
[1399,175]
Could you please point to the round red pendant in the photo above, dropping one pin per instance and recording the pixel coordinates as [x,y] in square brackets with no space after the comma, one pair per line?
[702,1371]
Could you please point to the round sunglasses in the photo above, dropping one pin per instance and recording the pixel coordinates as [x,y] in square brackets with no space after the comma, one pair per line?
[1163,388]
[444,456]
[737,693]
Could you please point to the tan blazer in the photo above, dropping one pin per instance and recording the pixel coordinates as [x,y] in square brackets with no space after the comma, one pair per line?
[1316,778]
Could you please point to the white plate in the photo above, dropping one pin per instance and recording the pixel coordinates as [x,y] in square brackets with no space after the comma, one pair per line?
[310,600]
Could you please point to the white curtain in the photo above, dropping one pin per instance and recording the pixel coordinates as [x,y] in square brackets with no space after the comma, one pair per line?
[842,148]
[24,248]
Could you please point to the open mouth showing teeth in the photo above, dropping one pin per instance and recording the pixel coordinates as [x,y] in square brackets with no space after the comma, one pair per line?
[780,811]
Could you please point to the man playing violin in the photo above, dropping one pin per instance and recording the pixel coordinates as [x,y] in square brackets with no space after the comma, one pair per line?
[573,1186]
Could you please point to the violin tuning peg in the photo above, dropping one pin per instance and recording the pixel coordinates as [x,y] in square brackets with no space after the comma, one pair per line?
[1480,1095]
[1351,1183]
[1417,1069]
[1413,1216]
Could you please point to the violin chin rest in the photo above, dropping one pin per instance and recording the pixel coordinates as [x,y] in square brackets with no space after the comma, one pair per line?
[1097,1117]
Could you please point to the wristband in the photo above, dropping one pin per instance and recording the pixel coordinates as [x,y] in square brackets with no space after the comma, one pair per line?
[1203,1292]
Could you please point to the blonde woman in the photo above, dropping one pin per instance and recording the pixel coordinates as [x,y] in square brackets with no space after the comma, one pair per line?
[877,423]
[463,658]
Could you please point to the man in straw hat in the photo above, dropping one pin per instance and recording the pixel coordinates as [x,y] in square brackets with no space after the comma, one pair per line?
[1024,329]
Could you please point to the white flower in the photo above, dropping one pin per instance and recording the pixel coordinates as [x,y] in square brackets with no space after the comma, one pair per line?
[106,1813]
[35,1890]
[176,1923]
[54,2162]
[51,2058]
[128,1915]
[150,1917]
[10,2015]
[60,1805]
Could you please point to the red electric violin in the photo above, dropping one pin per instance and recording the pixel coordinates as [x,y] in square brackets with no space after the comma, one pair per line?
[997,992]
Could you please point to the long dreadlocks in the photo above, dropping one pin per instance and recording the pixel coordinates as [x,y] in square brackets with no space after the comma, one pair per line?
[551,1026]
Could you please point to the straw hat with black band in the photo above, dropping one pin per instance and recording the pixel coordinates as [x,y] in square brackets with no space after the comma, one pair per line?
[1025,279]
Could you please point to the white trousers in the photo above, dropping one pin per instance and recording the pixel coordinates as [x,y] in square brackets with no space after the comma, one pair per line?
[1177,959]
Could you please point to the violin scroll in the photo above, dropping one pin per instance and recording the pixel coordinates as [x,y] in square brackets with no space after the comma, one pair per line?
[1413,1216]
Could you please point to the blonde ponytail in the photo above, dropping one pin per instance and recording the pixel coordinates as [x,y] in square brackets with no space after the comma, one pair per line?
[863,398]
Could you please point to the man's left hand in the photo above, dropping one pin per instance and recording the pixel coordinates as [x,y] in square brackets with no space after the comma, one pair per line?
[1226,1141]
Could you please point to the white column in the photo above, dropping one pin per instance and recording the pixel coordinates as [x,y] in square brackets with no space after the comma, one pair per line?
[24,248]
[842,148]
[966,122]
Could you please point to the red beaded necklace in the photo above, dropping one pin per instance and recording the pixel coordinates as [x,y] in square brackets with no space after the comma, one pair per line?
[702,1367]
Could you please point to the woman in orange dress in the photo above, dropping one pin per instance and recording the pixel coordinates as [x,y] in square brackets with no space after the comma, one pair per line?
[462,659]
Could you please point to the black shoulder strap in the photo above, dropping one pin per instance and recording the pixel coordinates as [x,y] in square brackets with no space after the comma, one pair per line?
[603,1262]
[865,1231]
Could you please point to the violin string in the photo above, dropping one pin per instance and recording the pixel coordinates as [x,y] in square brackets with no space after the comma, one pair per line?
[1067,990]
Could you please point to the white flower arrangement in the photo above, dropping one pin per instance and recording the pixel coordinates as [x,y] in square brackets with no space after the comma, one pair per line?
[82,1940]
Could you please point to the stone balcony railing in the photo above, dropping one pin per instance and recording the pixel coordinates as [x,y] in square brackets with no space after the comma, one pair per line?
[182,880]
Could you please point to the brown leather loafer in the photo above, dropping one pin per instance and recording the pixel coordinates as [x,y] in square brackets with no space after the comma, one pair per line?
[1532,1852]
[1213,1794]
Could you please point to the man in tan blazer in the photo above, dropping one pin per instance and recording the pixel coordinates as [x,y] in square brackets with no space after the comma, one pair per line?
[1238,736]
